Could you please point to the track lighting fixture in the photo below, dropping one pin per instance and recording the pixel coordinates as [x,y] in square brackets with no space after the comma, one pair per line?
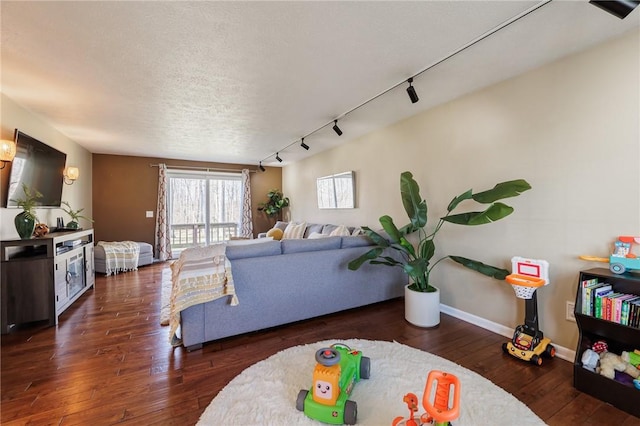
[412,92]
[336,128]
[278,157]
[262,167]
[304,145]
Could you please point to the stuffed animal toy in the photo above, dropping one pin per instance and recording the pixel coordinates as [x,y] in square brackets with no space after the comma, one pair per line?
[632,358]
[609,364]
[40,230]
[590,360]
[600,346]
[630,369]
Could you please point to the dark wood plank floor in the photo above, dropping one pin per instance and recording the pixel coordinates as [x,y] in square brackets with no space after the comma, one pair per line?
[109,361]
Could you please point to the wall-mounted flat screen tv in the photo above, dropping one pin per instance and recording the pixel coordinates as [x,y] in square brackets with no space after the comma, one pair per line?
[38,166]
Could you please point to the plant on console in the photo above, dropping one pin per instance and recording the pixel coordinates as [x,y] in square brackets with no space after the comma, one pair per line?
[25,221]
[75,216]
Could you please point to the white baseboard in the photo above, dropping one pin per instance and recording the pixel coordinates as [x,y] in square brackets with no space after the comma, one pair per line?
[561,352]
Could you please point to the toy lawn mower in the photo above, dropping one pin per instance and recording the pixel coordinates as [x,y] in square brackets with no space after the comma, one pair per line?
[528,342]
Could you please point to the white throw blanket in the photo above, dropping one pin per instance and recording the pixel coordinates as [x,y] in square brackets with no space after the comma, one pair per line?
[200,275]
[120,256]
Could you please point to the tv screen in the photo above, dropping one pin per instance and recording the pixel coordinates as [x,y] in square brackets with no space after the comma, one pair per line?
[38,166]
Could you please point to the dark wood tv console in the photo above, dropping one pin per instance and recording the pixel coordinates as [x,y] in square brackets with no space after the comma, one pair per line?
[41,277]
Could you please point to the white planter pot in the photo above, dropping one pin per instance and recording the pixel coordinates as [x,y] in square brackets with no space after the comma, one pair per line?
[422,309]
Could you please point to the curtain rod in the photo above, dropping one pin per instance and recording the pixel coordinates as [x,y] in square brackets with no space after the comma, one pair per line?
[208,169]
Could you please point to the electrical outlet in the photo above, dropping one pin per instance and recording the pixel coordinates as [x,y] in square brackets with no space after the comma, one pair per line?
[570,314]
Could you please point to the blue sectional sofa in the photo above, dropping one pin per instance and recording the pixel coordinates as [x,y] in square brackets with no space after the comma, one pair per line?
[279,282]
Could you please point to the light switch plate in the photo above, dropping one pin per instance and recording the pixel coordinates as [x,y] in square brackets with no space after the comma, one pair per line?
[149,213]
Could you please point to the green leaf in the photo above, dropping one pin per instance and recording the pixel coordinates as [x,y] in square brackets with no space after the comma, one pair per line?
[495,212]
[378,239]
[370,255]
[511,188]
[427,249]
[488,270]
[413,203]
[391,229]
[407,246]
[416,268]
[457,200]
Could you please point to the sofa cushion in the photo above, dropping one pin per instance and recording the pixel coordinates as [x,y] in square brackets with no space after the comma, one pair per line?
[315,235]
[356,241]
[328,229]
[305,245]
[311,228]
[281,225]
[294,231]
[247,241]
[268,248]
[340,231]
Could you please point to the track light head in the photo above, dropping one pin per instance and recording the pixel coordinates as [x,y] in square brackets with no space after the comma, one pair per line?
[278,157]
[411,91]
[336,128]
[619,8]
[262,167]
[304,145]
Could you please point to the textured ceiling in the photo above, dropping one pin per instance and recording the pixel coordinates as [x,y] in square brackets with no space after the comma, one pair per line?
[235,82]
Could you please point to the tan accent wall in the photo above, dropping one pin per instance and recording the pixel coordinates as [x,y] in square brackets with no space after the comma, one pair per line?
[126,187]
[571,128]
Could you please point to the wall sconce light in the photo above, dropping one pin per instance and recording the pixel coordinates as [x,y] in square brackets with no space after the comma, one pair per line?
[7,152]
[70,175]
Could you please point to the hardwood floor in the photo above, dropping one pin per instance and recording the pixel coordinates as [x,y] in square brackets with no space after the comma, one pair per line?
[109,361]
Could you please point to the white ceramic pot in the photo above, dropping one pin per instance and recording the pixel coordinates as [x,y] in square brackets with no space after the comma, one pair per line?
[422,309]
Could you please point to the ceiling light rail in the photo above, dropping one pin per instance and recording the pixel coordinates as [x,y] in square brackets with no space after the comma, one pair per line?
[413,96]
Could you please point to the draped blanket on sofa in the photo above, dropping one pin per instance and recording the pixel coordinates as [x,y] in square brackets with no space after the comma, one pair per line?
[200,275]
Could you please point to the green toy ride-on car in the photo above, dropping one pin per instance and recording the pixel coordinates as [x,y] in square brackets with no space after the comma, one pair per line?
[337,370]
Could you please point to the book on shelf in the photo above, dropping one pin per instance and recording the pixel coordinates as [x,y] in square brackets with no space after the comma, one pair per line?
[608,303]
[587,286]
[626,309]
[598,295]
[617,307]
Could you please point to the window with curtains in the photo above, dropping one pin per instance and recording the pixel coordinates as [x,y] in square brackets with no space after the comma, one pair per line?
[203,207]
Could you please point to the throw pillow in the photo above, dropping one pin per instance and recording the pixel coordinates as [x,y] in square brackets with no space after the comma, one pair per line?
[275,233]
[340,231]
[316,235]
[357,231]
[294,231]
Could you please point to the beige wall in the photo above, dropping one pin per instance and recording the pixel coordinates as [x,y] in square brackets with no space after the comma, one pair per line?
[570,128]
[125,187]
[78,195]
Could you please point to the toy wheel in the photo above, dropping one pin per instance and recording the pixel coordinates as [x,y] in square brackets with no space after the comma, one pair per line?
[302,396]
[327,357]
[365,367]
[617,268]
[505,348]
[550,351]
[535,359]
[350,412]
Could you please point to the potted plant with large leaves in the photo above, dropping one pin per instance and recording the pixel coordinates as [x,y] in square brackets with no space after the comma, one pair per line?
[275,203]
[417,260]
[75,215]
[25,221]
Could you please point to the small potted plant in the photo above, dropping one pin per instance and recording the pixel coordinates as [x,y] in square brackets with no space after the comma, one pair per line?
[417,261]
[75,216]
[25,221]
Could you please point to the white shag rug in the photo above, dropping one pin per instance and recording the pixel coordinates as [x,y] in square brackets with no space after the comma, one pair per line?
[265,393]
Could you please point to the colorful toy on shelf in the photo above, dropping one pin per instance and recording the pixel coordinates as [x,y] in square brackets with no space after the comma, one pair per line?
[441,409]
[528,342]
[337,371]
[622,259]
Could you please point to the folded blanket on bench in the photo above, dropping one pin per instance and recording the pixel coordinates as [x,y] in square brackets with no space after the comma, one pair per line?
[200,274]
[120,256]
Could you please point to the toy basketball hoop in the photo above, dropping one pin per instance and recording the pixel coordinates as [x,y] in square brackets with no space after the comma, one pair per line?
[529,274]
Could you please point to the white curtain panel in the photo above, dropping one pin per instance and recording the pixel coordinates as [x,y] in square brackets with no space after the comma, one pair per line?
[246,223]
[163,231]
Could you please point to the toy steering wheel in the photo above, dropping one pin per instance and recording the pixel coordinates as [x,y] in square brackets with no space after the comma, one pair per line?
[327,357]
